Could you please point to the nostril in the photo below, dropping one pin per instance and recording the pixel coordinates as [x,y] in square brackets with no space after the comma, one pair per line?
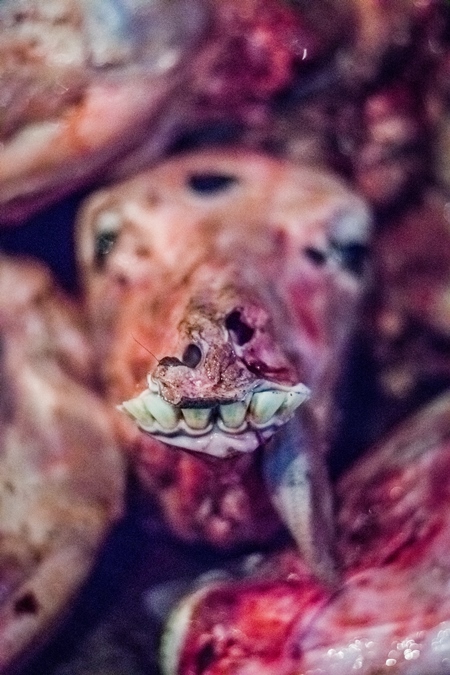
[192,356]
[241,331]
[168,361]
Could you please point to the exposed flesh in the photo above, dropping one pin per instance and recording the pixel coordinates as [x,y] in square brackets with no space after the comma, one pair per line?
[80,82]
[61,471]
[388,615]
[232,259]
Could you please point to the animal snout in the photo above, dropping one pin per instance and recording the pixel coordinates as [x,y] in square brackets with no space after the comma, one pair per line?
[239,333]
[208,370]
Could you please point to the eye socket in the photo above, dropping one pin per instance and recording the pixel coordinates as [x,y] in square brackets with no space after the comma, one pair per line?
[192,356]
[351,256]
[241,331]
[106,235]
[315,256]
[104,243]
[210,183]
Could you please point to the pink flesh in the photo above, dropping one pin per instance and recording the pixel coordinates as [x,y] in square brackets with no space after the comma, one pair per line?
[183,258]
[67,66]
[373,42]
[223,502]
[62,74]
[81,90]
[408,323]
[184,261]
[61,471]
[391,611]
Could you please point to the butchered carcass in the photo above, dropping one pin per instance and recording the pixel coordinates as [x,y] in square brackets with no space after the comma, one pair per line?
[61,469]
[92,90]
[82,83]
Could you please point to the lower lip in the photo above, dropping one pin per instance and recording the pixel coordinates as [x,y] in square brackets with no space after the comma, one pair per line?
[218,443]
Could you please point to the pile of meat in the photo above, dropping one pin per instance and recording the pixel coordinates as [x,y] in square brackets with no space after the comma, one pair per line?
[239,154]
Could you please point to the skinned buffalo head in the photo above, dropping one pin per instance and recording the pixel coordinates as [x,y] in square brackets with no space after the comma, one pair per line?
[221,287]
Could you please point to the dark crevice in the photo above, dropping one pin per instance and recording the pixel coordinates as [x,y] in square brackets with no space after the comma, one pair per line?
[210,183]
[241,331]
[192,356]
[26,604]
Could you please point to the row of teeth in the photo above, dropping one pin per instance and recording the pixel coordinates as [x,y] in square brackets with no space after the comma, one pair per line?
[261,408]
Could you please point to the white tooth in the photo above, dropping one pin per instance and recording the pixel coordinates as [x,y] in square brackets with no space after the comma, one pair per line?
[294,399]
[196,418]
[233,414]
[152,385]
[265,404]
[136,408]
[164,413]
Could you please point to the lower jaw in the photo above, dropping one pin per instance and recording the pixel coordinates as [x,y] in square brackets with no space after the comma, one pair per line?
[194,489]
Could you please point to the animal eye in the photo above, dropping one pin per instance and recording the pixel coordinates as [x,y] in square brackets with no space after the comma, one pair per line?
[241,331]
[210,183]
[192,356]
[104,242]
[351,256]
[106,235]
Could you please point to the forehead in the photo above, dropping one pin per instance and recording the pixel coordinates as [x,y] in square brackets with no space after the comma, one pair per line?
[214,193]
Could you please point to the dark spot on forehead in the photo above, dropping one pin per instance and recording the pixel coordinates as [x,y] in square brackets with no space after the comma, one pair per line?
[153,198]
[210,183]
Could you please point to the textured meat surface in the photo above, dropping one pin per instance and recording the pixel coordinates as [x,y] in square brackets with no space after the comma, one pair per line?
[368,108]
[61,471]
[65,65]
[236,258]
[167,69]
[389,614]
[410,327]
[162,67]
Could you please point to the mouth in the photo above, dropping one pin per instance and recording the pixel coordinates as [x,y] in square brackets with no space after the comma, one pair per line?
[219,429]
